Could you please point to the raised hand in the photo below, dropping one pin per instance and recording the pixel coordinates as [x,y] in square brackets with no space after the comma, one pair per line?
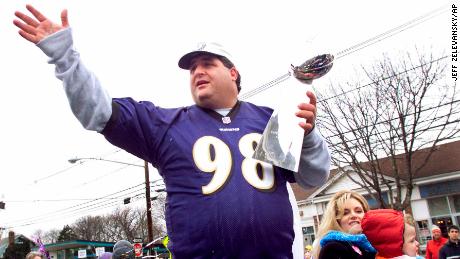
[35,29]
[308,112]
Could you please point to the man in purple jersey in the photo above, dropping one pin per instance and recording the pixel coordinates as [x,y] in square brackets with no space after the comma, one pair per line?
[221,203]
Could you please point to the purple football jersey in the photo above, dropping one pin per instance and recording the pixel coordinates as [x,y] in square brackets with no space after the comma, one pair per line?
[221,203]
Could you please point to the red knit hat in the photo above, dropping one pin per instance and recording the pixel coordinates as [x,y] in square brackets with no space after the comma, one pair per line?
[384,228]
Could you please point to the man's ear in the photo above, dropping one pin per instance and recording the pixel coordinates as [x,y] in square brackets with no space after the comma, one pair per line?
[234,73]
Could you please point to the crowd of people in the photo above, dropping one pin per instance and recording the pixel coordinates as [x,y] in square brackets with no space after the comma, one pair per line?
[221,202]
[349,230]
[122,249]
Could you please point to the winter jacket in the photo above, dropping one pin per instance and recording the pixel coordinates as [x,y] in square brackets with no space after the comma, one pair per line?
[433,247]
[384,228]
[339,245]
[343,250]
[450,250]
[398,257]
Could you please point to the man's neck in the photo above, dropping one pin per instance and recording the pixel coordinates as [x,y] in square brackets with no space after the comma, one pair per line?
[227,105]
[223,111]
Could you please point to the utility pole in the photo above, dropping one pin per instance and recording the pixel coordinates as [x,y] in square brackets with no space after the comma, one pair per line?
[147,188]
[149,204]
[2,206]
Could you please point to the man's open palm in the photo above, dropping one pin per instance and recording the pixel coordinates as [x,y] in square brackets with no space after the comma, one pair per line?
[35,29]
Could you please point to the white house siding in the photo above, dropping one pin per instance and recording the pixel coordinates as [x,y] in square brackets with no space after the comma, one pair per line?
[416,193]
[343,183]
[420,210]
[308,212]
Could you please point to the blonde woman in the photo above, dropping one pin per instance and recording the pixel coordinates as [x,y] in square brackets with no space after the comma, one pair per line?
[34,255]
[339,234]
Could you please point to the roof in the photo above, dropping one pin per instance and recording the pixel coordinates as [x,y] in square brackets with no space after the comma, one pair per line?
[77,244]
[4,242]
[301,193]
[443,160]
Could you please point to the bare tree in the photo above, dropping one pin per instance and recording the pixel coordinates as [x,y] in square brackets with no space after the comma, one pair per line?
[377,128]
[47,237]
[50,236]
[38,234]
[90,227]
[158,214]
[123,223]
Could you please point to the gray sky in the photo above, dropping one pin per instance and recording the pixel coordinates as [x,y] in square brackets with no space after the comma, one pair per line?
[134,48]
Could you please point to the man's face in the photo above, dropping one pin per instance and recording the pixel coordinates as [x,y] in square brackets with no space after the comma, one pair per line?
[453,235]
[436,234]
[211,83]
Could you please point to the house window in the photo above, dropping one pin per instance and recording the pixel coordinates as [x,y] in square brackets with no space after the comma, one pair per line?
[373,203]
[308,235]
[423,231]
[444,211]
[456,204]
[440,189]
[438,206]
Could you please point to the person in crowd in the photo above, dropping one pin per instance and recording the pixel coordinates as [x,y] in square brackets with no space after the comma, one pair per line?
[221,202]
[434,245]
[35,255]
[451,248]
[307,254]
[105,255]
[340,229]
[417,254]
[123,250]
[391,233]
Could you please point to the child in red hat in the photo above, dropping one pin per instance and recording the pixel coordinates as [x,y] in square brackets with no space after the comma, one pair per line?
[390,233]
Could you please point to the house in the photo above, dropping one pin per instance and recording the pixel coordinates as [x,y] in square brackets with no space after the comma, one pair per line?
[435,198]
[15,246]
[78,249]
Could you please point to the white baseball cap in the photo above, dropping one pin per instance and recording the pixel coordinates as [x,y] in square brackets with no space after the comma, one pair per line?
[203,48]
[435,228]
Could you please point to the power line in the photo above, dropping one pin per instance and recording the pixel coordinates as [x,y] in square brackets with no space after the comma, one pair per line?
[286,76]
[393,31]
[94,179]
[87,209]
[67,214]
[396,118]
[356,47]
[51,218]
[70,167]
[80,211]
[79,206]
[102,176]
[383,78]
[54,174]
[431,120]
[94,204]
[101,204]
[265,86]
[54,200]
[380,133]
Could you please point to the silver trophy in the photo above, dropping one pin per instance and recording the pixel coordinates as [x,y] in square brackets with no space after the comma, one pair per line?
[282,139]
